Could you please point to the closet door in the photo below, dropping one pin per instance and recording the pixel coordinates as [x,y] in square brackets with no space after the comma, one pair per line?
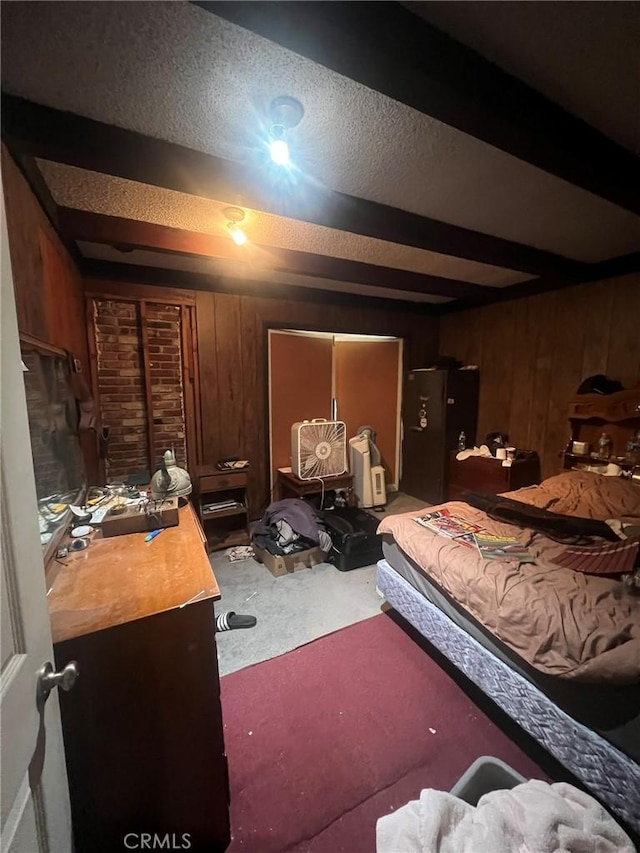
[368,377]
[300,385]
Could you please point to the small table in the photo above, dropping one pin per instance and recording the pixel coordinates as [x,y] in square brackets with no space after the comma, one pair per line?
[290,486]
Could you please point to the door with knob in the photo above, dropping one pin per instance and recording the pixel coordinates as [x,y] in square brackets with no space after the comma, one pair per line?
[35,797]
[48,679]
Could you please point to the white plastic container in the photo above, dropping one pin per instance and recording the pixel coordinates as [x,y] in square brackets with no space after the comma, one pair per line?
[484,775]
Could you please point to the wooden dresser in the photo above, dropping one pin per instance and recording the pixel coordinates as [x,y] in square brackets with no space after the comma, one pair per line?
[143,725]
[481,474]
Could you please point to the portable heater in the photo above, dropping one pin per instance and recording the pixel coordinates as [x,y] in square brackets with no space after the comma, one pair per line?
[368,473]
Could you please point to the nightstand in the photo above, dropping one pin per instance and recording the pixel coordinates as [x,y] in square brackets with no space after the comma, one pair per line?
[290,486]
[481,474]
[221,501]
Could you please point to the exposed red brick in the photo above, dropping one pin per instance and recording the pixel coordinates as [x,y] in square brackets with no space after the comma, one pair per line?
[122,387]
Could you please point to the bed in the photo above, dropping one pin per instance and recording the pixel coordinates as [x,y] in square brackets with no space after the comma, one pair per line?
[557,649]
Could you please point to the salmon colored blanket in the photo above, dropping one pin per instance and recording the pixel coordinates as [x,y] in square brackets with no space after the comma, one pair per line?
[564,623]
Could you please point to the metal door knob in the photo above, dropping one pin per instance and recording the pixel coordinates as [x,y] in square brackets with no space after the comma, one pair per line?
[48,679]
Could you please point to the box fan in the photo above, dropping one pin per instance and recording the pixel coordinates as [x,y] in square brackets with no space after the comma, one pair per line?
[318,448]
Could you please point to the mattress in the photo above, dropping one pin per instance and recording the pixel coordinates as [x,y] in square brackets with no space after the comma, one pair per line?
[612,775]
[567,624]
[613,712]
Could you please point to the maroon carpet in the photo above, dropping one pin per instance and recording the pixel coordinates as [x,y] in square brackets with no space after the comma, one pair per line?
[325,739]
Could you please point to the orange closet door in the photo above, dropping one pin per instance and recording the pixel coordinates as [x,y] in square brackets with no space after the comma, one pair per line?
[300,384]
[367,386]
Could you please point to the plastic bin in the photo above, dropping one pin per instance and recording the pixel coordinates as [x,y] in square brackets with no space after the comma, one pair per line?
[484,775]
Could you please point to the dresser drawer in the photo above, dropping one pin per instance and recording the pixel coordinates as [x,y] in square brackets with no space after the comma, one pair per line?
[488,476]
[226,480]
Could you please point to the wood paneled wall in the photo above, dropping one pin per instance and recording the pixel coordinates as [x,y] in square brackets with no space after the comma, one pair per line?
[534,352]
[48,286]
[232,352]
[231,364]
[49,290]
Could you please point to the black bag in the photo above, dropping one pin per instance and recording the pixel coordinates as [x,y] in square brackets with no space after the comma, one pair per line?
[561,528]
[354,538]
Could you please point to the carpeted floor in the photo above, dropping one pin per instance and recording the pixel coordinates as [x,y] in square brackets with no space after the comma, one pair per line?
[294,609]
[291,610]
[325,739]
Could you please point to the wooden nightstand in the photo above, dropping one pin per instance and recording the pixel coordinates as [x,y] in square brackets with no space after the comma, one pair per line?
[481,474]
[290,486]
[221,501]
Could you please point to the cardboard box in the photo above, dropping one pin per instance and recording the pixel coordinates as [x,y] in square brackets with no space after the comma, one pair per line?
[283,565]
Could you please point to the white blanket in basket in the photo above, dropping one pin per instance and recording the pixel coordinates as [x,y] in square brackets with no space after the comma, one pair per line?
[535,817]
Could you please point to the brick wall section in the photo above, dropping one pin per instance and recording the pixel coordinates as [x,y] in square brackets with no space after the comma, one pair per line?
[121,386]
[165,362]
[122,390]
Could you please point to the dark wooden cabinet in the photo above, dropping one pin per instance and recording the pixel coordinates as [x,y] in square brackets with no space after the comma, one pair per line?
[142,726]
[481,474]
[438,405]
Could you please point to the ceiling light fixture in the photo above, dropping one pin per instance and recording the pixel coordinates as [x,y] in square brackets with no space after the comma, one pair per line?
[285,113]
[278,148]
[235,215]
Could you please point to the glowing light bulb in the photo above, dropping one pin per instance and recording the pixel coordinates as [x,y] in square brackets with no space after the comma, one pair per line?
[279,151]
[237,235]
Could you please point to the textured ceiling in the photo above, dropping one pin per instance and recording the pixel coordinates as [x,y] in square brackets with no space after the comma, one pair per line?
[176,72]
[584,56]
[185,75]
[249,273]
[78,188]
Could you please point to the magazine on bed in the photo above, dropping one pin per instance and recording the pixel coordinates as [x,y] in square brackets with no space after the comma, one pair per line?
[445,524]
[494,547]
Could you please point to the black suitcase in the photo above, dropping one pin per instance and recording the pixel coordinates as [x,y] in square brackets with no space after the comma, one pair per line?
[354,538]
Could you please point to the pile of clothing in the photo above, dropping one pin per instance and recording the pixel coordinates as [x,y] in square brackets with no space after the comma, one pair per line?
[289,526]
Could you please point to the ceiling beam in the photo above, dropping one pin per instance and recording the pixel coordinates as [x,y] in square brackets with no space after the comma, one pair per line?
[394,51]
[624,265]
[128,234]
[132,273]
[77,141]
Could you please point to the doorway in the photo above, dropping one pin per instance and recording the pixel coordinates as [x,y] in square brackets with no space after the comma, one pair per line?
[352,378]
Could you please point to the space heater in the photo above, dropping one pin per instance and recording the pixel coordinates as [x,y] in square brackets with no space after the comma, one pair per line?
[318,448]
[368,473]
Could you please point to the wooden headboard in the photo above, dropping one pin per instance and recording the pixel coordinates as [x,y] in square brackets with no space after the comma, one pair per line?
[616,414]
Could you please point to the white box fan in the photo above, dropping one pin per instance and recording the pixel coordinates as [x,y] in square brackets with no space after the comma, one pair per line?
[318,448]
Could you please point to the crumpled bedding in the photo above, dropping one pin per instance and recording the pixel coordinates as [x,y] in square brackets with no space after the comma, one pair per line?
[564,623]
[584,494]
[535,816]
